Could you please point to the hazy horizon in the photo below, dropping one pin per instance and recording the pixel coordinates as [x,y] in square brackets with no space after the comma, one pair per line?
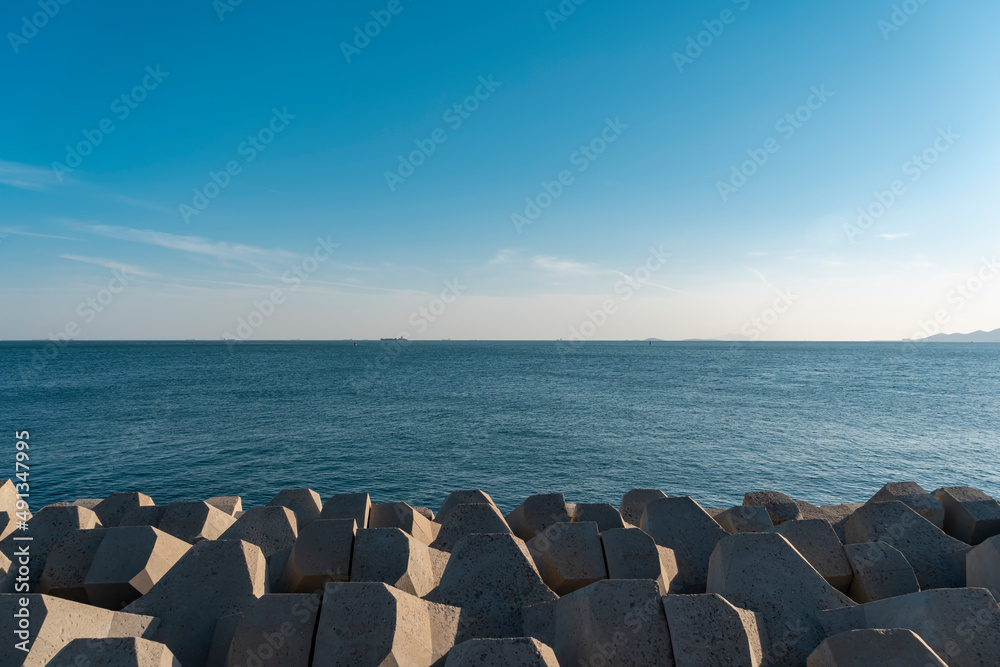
[732,171]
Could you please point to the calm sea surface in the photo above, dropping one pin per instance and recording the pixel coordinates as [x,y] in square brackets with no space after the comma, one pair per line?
[182,421]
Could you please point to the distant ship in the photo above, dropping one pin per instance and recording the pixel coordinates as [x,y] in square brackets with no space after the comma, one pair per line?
[389,339]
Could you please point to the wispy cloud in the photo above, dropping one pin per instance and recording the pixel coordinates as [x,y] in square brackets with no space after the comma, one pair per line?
[355,287]
[196,245]
[921,262]
[631,279]
[893,237]
[502,257]
[26,176]
[17,232]
[110,264]
[817,261]
[132,201]
[556,265]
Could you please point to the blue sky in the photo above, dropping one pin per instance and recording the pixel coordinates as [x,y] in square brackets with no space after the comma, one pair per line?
[309,129]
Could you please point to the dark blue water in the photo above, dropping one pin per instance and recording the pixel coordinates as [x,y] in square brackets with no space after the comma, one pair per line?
[822,422]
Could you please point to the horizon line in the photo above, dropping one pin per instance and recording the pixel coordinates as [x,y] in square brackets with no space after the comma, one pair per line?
[457,340]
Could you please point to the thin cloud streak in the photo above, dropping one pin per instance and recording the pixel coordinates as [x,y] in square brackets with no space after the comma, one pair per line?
[26,176]
[632,279]
[16,232]
[196,245]
[556,265]
[110,264]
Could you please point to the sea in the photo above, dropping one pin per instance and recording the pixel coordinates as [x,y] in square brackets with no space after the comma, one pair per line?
[412,421]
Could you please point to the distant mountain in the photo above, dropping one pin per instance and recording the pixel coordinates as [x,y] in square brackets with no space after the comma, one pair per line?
[975,337]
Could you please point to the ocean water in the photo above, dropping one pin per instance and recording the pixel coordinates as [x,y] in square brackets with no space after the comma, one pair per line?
[822,422]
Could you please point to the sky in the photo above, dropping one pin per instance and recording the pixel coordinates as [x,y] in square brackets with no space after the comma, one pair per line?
[536,170]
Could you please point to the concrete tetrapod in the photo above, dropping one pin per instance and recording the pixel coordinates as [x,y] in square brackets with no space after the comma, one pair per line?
[634,504]
[835,515]
[225,628]
[148,515]
[404,517]
[467,497]
[304,503]
[128,563]
[271,528]
[982,566]
[491,577]
[613,622]
[9,510]
[913,496]
[115,652]
[961,625]
[780,508]
[355,506]
[193,521]
[8,524]
[374,624]
[55,622]
[213,579]
[708,631]
[519,651]
[745,519]
[231,505]
[875,648]
[391,556]
[322,553]
[936,559]
[820,546]
[632,554]
[275,629]
[764,573]
[604,514]
[537,513]
[569,556]
[460,521]
[46,529]
[426,512]
[113,509]
[969,514]
[680,524]
[68,563]
[880,571]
